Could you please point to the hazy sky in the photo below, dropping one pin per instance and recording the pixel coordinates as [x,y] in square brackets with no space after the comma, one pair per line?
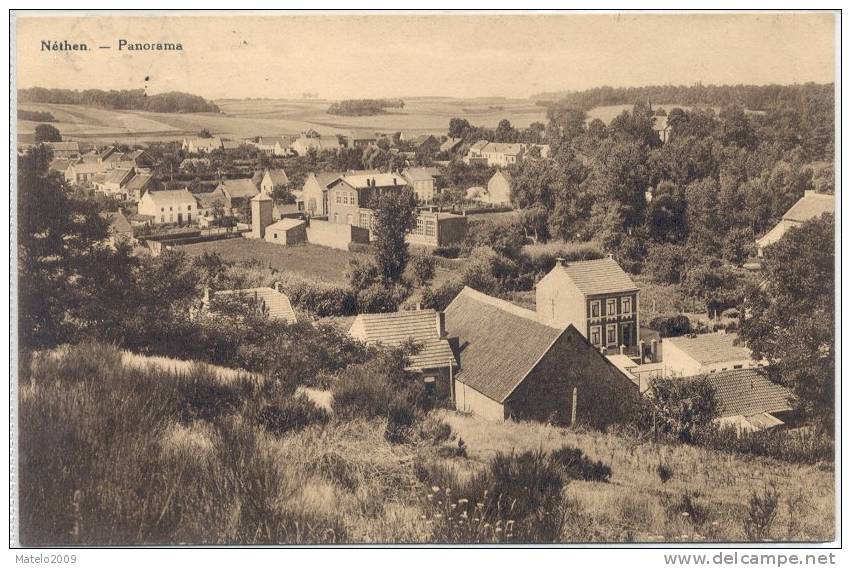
[375,55]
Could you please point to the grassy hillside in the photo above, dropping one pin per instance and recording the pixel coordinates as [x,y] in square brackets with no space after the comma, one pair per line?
[115,451]
[245,118]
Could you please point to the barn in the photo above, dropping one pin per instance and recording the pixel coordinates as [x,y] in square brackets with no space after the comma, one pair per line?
[515,365]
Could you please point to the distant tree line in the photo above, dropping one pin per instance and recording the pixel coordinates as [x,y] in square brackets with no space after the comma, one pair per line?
[126,99]
[364,107]
[35,116]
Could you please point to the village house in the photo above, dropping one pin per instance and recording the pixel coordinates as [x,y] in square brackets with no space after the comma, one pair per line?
[139,160]
[349,194]
[427,144]
[202,145]
[597,297]
[83,173]
[115,182]
[213,204]
[265,145]
[499,189]
[238,192]
[422,181]
[274,303]
[272,180]
[451,144]
[705,353]
[516,365]
[60,165]
[69,149]
[494,154]
[314,193]
[810,206]
[313,141]
[661,128]
[426,329]
[359,138]
[749,400]
[138,185]
[286,232]
[171,206]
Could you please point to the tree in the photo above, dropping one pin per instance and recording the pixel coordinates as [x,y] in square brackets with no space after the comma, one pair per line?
[395,214]
[789,319]
[204,133]
[47,133]
[458,127]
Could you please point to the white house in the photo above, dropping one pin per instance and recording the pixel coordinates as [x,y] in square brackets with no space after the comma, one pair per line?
[202,145]
[705,354]
[172,206]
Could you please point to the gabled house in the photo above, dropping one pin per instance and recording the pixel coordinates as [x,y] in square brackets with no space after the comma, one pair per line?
[706,353]
[116,181]
[120,229]
[314,193]
[272,180]
[426,144]
[426,330]
[810,206]
[138,185]
[68,149]
[495,154]
[451,144]
[349,194]
[238,191]
[171,206]
[83,173]
[202,145]
[499,189]
[595,296]
[422,181]
[359,138]
[275,304]
[304,144]
[139,160]
[515,364]
[213,204]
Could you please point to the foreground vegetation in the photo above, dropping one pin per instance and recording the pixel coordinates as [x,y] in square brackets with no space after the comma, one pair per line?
[120,453]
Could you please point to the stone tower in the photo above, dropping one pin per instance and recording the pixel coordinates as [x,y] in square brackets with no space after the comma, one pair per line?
[261,215]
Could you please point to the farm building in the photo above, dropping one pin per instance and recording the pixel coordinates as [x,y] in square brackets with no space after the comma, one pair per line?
[513,364]
[69,149]
[286,232]
[810,206]
[434,358]
[275,304]
[749,400]
[705,353]
[499,189]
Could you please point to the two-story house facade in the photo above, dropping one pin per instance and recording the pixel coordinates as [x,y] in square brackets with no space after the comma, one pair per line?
[597,297]
[348,194]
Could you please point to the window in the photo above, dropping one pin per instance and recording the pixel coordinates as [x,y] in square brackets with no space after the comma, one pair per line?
[611,307]
[737,366]
[595,309]
[162,209]
[420,230]
[189,208]
[336,218]
[430,228]
[162,218]
[170,208]
[275,235]
[611,335]
[626,305]
[595,335]
[349,219]
[337,198]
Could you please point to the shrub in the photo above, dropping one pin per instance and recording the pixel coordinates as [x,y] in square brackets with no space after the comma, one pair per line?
[359,247]
[689,506]
[291,413]
[671,326]
[665,472]
[439,298]
[381,298]
[576,465]
[322,301]
[762,510]
[422,266]
[802,445]
[446,251]
[679,409]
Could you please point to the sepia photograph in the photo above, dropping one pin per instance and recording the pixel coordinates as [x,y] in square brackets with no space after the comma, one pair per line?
[417,278]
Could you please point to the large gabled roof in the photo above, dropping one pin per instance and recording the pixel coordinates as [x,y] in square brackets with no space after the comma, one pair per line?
[239,188]
[594,277]
[499,343]
[746,392]
[396,328]
[277,303]
[171,197]
[278,177]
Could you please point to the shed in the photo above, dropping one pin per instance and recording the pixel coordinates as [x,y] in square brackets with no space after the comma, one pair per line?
[287,232]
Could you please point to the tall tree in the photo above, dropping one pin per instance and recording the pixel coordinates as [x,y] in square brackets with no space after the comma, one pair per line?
[395,215]
[47,133]
[790,318]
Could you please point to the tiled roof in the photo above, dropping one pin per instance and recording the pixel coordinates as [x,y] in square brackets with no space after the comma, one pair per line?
[117,175]
[420,173]
[450,144]
[356,134]
[171,197]
[394,329]
[745,392]
[708,348]
[502,173]
[138,181]
[378,180]
[277,303]
[500,343]
[810,206]
[68,146]
[503,148]
[603,276]
[279,177]
[239,188]
[118,223]
[208,199]
[89,167]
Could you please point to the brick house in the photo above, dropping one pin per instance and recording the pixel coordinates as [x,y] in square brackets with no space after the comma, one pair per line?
[434,359]
[514,364]
[597,297]
[348,194]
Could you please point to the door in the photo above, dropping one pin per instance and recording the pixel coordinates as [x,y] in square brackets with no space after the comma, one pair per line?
[628,332]
[180,218]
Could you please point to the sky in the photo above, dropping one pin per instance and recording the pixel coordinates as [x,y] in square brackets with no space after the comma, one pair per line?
[401,54]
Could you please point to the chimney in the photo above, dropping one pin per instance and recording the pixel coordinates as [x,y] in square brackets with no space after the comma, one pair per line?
[621,349]
[419,306]
[394,181]
[560,261]
[610,256]
[441,325]
[278,286]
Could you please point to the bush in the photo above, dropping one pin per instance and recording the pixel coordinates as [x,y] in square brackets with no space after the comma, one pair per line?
[802,445]
[679,409]
[576,465]
[422,267]
[671,326]
[542,257]
[359,247]
[688,505]
[322,301]
[291,413]
[665,472]
[381,298]
[762,510]
[439,298]
[446,251]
